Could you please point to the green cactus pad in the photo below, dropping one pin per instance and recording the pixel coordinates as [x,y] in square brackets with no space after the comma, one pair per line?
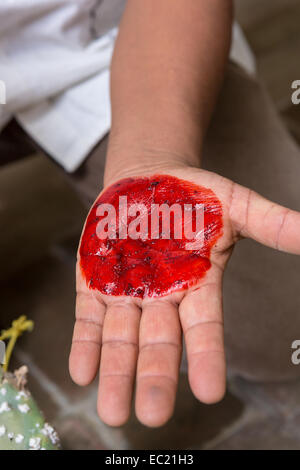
[22,425]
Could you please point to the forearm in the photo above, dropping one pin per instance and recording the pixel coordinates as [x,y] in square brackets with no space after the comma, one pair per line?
[167,69]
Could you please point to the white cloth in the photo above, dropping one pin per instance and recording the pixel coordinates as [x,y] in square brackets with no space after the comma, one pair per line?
[54,60]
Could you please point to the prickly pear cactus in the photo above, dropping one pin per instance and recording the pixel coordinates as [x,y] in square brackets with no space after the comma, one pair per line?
[22,426]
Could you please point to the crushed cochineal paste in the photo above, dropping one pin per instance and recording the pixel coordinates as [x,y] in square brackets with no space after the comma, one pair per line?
[120,265]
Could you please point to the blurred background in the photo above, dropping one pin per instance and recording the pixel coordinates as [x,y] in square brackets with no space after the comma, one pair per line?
[40,227]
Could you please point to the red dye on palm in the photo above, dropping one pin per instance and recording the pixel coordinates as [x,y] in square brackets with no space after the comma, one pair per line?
[149,267]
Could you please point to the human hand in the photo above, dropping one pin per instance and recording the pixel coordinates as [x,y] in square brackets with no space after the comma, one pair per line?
[139,340]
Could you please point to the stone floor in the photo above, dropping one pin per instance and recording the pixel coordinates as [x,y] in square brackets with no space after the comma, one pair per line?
[252,416]
[272,30]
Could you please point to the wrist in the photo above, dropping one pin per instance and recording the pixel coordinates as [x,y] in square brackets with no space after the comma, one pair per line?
[129,163]
[132,155]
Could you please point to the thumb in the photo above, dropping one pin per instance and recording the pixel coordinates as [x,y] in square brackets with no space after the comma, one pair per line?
[268,223]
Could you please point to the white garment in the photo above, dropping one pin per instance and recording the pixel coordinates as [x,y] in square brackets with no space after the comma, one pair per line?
[54,60]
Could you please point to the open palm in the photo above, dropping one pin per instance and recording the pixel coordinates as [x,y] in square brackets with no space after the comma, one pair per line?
[140,340]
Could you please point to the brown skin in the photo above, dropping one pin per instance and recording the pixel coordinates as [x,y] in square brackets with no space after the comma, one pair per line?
[164,89]
[167,69]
